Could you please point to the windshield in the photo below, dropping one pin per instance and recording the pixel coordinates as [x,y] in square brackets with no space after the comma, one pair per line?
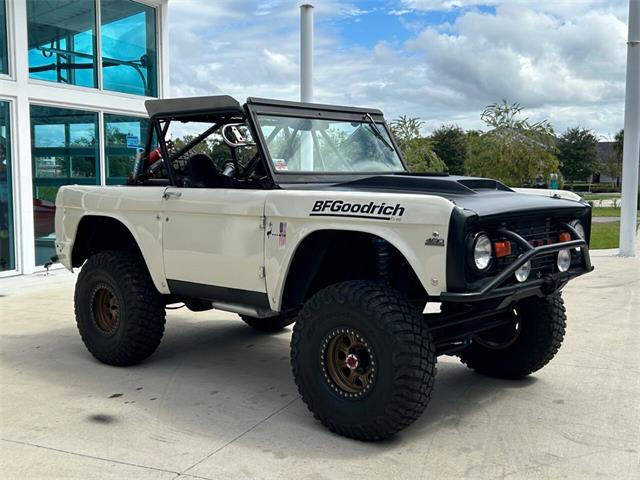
[328,146]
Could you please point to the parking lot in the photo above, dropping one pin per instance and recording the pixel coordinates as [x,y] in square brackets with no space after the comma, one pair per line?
[217,401]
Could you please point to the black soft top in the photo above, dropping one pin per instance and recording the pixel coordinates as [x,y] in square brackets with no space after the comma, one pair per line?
[194,107]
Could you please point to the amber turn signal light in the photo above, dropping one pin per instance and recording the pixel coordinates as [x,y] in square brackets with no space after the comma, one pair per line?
[565,237]
[502,249]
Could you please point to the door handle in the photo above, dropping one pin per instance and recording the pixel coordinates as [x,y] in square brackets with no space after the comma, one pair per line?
[170,194]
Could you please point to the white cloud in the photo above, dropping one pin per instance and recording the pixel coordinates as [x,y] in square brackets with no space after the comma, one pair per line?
[562,60]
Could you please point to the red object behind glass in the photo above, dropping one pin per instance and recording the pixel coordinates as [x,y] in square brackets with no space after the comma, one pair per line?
[44,214]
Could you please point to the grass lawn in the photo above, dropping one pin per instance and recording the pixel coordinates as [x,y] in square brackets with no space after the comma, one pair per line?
[605,235]
[599,196]
[605,212]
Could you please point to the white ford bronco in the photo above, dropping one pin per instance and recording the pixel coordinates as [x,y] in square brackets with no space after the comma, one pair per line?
[308,215]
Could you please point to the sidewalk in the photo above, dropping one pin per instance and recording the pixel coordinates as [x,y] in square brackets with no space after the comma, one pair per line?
[217,401]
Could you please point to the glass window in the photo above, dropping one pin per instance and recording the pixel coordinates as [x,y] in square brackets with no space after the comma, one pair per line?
[125,135]
[330,146]
[128,39]
[7,250]
[62,41]
[65,150]
[4,60]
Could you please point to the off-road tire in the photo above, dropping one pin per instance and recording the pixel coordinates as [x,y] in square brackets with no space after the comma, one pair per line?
[269,324]
[140,325]
[542,323]
[404,353]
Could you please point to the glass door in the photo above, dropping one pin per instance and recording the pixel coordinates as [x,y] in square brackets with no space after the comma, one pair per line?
[65,150]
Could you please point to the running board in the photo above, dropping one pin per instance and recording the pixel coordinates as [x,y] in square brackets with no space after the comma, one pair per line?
[244,310]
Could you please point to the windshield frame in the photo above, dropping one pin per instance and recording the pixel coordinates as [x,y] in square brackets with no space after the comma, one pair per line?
[278,108]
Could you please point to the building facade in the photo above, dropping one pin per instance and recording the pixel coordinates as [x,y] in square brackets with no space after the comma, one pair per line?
[74,75]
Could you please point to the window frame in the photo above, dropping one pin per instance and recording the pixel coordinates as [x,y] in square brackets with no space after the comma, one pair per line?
[16,233]
[159,11]
[9,28]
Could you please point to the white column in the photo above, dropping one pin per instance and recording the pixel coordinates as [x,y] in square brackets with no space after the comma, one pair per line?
[306,81]
[631,153]
[163,73]
[306,53]
[22,150]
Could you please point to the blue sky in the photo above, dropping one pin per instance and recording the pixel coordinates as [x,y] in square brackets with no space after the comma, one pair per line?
[440,60]
[389,21]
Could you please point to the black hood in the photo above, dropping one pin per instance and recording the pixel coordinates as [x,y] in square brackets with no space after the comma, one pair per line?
[482,196]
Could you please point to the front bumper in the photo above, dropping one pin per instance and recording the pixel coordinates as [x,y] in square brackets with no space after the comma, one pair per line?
[551,282]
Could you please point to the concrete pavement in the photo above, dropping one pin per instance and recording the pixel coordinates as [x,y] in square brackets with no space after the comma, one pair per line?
[217,401]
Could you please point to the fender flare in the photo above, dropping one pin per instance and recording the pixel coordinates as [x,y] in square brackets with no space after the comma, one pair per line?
[155,268]
[388,235]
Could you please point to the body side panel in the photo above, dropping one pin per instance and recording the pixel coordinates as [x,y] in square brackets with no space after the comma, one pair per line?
[212,236]
[290,219]
[137,208]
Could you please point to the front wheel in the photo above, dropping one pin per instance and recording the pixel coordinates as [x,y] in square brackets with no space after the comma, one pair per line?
[522,346]
[363,360]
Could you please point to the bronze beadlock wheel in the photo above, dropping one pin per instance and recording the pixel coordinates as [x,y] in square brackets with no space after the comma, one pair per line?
[348,362]
[363,359]
[119,312]
[106,309]
[523,346]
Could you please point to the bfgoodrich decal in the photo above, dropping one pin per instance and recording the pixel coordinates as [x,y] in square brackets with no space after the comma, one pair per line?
[340,208]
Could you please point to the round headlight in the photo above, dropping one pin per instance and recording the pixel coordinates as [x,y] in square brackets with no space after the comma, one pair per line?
[482,252]
[564,260]
[523,272]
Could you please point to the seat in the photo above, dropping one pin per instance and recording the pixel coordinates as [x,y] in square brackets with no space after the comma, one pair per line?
[203,173]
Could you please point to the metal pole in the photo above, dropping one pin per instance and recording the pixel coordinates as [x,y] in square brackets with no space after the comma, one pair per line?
[306,81]
[631,152]
[306,53]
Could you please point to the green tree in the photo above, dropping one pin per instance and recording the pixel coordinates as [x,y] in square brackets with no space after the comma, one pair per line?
[416,149]
[514,150]
[405,129]
[450,145]
[213,146]
[578,154]
[420,157]
[619,145]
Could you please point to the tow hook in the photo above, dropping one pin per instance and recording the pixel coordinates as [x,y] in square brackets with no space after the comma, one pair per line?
[51,261]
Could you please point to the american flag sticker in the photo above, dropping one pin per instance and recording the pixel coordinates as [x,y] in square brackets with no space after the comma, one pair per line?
[282,235]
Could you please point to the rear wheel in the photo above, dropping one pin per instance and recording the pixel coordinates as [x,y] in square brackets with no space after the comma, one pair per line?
[119,312]
[363,360]
[269,324]
[522,346]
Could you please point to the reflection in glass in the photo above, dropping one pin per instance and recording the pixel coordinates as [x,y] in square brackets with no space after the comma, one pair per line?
[329,146]
[64,146]
[4,60]
[7,247]
[62,41]
[128,39]
[124,135]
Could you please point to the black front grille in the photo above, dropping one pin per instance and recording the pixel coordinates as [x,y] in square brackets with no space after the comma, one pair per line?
[536,231]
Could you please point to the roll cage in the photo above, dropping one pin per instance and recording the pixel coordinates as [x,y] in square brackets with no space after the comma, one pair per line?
[224,110]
